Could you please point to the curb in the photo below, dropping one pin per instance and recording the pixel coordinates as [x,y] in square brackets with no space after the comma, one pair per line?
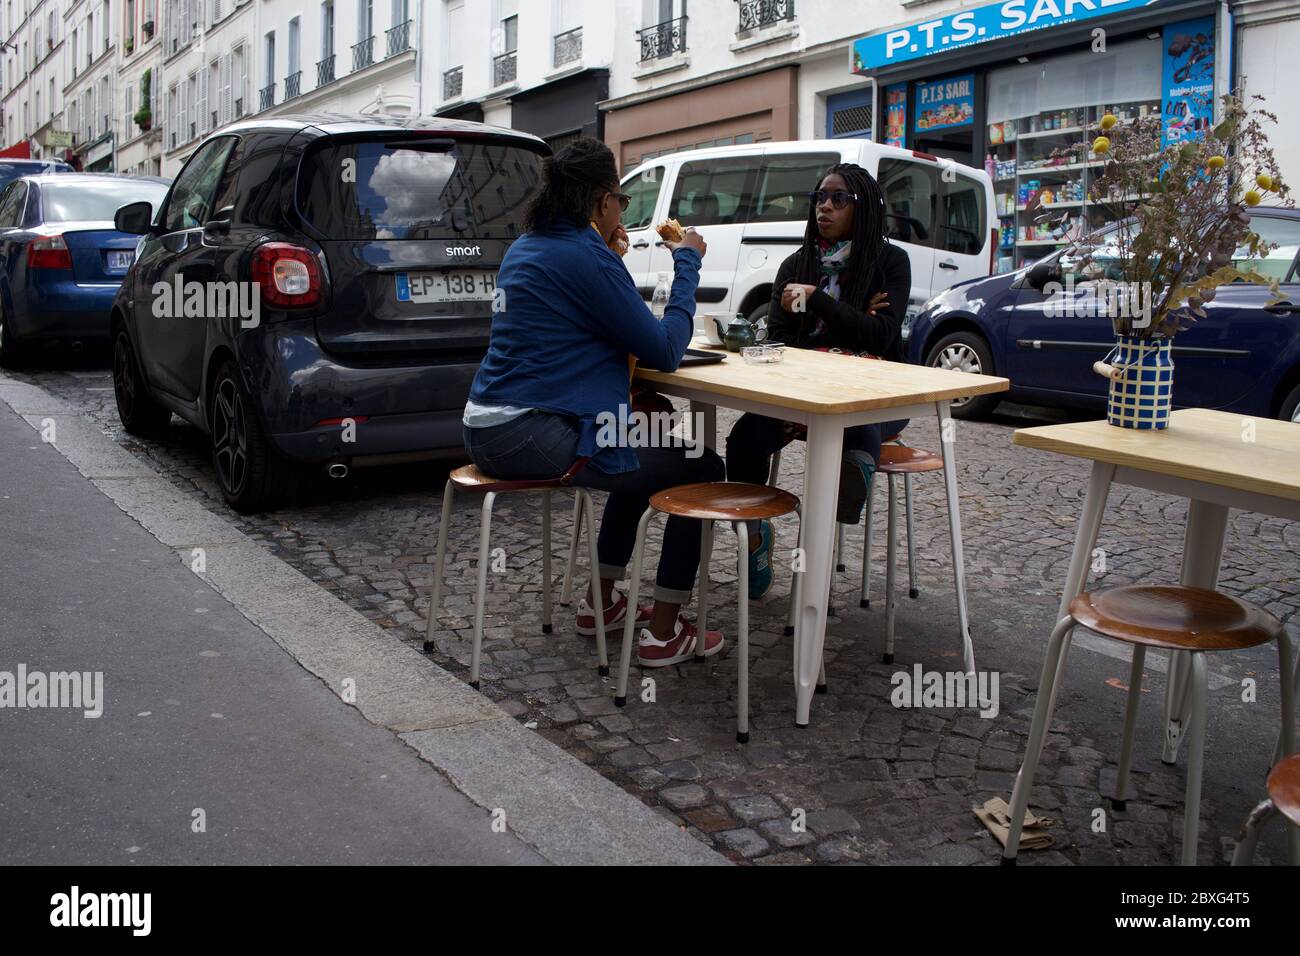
[565,810]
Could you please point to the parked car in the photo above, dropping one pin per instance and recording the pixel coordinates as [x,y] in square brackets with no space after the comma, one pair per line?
[367,247]
[1244,357]
[61,258]
[11,169]
[750,203]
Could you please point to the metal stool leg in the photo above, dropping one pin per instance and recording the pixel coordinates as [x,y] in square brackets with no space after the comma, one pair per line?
[795,577]
[1195,760]
[1248,838]
[868,541]
[912,590]
[439,567]
[547,582]
[1120,800]
[1057,648]
[839,546]
[484,535]
[742,629]
[891,559]
[706,556]
[566,592]
[629,623]
[774,471]
[589,512]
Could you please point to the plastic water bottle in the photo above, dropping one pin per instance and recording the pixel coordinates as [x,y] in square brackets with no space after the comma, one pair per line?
[659,301]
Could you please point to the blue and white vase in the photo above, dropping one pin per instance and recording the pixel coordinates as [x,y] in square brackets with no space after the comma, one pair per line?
[1142,385]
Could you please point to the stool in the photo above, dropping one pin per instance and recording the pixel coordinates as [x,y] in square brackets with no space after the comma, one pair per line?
[469,478]
[1168,617]
[1284,800]
[738,504]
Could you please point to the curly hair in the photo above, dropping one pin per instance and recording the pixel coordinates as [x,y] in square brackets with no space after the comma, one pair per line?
[573,180]
[868,236]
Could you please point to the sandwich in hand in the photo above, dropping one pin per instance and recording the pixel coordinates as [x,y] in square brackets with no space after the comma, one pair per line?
[670,230]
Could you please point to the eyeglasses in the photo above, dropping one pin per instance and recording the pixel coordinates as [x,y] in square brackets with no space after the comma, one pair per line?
[839,199]
[623,200]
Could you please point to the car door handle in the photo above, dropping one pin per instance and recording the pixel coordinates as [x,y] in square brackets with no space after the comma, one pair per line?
[641,244]
[1282,308]
[947,265]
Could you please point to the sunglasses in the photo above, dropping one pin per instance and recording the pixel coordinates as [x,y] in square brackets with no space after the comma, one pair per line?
[839,199]
[623,200]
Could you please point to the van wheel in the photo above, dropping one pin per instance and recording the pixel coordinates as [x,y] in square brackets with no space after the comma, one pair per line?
[139,413]
[11,353]
[253,477]
[965,352]
[1290,408]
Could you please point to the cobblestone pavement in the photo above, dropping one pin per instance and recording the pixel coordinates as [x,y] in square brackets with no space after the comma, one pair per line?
[875,784]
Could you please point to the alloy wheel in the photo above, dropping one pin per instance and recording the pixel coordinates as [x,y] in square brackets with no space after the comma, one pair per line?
[123,377]
[960,358]
[229,436]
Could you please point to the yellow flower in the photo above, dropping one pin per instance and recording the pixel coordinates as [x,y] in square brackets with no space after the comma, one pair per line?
[1265,181]
[1109,120]
[1252,198]
[1101,145]
[1216,162]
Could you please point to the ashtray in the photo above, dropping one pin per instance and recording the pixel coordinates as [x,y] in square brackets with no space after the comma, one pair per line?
[767,354]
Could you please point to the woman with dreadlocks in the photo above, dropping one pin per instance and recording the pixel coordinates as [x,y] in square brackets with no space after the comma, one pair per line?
[844,290]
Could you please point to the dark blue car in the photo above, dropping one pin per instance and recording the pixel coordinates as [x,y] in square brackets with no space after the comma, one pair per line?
[61,259]
[1245,357]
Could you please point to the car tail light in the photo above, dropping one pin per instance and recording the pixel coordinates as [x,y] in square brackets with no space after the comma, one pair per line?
[289,276]
[993,250]
[49,252]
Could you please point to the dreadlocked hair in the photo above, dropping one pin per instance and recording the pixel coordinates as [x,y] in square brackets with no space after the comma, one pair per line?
[868,236]
[573,180]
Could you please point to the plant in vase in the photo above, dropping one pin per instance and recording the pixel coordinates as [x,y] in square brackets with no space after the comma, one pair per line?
[1181,230]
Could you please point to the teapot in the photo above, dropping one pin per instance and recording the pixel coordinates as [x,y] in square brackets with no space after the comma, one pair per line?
[738,332]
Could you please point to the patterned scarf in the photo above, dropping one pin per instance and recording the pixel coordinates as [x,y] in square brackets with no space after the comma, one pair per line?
[833,258]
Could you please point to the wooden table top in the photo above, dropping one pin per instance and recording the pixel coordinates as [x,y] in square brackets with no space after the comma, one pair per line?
[826,383]
[1199,444]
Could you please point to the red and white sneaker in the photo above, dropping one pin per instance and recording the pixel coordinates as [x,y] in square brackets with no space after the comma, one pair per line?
[614,615]
[652,652]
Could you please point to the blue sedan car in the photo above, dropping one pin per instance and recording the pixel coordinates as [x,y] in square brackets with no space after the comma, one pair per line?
[61,259]
[1244,357]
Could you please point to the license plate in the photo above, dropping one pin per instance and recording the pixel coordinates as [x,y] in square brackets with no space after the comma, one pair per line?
[463,286]
[121,260]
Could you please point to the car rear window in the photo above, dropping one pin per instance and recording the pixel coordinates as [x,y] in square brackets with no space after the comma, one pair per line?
[78,202]
[412,190]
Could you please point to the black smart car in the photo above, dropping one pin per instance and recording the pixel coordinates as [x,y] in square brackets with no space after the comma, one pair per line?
[317,290]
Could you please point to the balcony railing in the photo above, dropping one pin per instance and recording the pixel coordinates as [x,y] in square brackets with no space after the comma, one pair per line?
[452,83]
[756,14]
[292,85]
[363,54]
[505,68]
[399,38]
[266,97]
[567,47]
[663,39]
[325,70]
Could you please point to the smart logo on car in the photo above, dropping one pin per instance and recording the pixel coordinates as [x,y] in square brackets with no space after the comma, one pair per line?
[464,251]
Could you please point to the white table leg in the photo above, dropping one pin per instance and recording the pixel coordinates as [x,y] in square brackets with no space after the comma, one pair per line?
[948,441]
[708,416]
[1207,524]
[820,487]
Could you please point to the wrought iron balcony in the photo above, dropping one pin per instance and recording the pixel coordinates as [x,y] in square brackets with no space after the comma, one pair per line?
[756,14]
[266,97]
[452,83]
[363,54]
[325,70]
[292,85]
[567,47]
[399,38]
[505,68]
[663,39]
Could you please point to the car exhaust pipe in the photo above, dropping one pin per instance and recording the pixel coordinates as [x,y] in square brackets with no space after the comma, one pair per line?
[337,469]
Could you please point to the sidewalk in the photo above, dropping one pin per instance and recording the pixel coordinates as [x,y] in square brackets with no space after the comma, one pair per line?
[209,717]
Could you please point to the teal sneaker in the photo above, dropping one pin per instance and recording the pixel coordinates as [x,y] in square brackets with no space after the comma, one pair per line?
[856,472]
[760,563]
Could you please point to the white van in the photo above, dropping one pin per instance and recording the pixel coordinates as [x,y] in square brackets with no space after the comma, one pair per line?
[751,205]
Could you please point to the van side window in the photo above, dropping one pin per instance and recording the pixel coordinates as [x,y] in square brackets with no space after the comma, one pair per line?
[715,192]
[786,181]
[644,190]
[909,190]
[961,221]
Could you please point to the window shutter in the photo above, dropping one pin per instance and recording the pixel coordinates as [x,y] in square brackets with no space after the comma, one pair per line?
[204,118]
[226,103]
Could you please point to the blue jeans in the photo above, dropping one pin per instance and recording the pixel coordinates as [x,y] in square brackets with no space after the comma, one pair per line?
[543,445]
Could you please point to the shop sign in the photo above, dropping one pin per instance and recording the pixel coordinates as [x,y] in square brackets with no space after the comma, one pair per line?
[58,138]
[1188,80]
[945,103]
[896,115]
[994,21]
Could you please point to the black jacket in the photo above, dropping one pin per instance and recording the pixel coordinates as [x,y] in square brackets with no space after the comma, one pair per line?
[848,325]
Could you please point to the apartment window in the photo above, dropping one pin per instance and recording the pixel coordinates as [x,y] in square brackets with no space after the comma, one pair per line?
[269,48]
[327,29]
[212,92]
[664,33]
[508,13]
[295,39]
[129,32]
[365,19]
[566,46]
[128,111]
[239,77]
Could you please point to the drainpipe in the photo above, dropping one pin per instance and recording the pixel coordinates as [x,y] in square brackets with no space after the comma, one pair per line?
[419,59]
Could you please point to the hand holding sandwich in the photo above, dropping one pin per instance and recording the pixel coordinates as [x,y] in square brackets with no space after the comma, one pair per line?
[676,237]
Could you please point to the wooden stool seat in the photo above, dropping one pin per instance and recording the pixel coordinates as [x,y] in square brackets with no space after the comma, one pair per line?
[1284,788]
[725,501]
[1174,617]
[469,478]
[904,460]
